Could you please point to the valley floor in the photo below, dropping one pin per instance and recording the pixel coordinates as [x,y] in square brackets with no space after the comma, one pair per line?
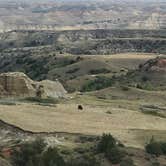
[129,125]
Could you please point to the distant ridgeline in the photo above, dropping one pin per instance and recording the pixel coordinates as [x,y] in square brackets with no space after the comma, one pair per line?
[90,42]
[87,25]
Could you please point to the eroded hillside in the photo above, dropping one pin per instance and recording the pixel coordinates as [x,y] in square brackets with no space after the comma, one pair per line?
[116,83]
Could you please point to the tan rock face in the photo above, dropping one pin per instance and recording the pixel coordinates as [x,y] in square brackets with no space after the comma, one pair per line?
[16,84]
[52,88]
[20,85]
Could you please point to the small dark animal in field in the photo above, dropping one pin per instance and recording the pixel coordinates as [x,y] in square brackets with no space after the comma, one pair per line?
[80,107]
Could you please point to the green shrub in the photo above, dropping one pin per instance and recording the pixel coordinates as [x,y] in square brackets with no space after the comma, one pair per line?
[145,86]
[115,155]
[144,78]
[34,154]
[109,112]
[127,162]
[107,141]
[97,84]
[124,88]
[38,145]
[80,150]
[139,86]
[154,147]
[86,160]
[29,154]
[99,71]
[163,147]
[51,157]
[155,164]
[108,145]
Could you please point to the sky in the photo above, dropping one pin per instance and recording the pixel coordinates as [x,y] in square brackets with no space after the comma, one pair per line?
[77,0]
[80,0]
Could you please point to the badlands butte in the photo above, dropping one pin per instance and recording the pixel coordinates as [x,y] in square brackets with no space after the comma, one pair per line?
[70,87]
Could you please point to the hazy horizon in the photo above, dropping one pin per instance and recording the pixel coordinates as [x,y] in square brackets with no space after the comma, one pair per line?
[77,0]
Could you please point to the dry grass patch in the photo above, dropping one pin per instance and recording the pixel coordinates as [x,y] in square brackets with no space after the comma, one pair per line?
[92,120]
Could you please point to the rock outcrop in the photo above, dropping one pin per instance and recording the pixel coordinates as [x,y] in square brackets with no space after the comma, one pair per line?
[16,84]
[157,65]
[52,88]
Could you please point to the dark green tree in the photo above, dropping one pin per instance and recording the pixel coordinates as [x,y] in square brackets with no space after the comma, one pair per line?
[51,157]
[107,142]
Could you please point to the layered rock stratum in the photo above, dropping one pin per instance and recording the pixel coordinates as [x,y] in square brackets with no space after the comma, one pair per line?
[17,84]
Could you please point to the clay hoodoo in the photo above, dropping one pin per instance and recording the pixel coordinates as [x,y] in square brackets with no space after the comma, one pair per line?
[16,84]
[52,88]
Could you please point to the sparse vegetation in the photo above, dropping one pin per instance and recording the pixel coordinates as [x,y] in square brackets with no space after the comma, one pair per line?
[147,86]
[85,160]
[48,100]
[73,70]
[125,88]
[99,71]
[127,162]
[38,154]
[153,110]
[97,84]
[155,164]
[153,113]
[7,102]
[52,157]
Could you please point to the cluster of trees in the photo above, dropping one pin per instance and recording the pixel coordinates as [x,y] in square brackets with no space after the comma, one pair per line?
[38,154]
